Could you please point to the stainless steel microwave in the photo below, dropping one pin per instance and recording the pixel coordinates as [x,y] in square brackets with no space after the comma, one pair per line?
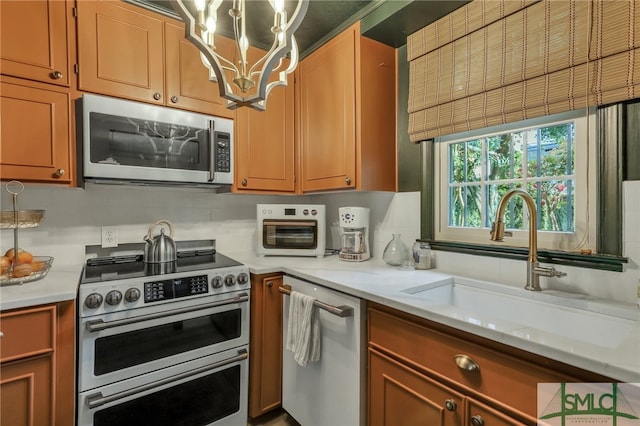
[291,230]
[131,142]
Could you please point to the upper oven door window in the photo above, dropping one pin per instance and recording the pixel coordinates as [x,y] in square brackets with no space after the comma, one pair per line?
[290,234]
[144,143]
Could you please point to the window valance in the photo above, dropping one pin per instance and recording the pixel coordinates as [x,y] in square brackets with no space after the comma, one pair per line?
[493,62]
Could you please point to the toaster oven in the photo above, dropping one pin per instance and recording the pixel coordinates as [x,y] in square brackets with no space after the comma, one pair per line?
[291,230]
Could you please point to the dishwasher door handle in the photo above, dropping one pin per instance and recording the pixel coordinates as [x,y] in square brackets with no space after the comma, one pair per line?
[340,311]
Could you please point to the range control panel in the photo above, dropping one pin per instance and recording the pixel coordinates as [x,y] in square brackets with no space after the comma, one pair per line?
[175,288]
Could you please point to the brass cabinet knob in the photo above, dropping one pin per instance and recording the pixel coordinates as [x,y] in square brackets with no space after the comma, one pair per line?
[450,405]
[476,420]
[347,180]
[58,173]
[464,362]
[269,284]
[56,75]
[244,182]
[157,96]
[174,99]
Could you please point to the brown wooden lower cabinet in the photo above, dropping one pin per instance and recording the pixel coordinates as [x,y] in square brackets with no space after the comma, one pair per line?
[400,395]
[265,346]
[414,376]
[37,380]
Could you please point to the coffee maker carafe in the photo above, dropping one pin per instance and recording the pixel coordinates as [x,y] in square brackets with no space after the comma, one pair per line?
[354,229]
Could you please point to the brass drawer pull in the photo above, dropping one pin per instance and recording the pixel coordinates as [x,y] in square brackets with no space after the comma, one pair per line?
[466,363]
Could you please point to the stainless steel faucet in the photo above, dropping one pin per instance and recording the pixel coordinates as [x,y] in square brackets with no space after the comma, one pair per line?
[534,269]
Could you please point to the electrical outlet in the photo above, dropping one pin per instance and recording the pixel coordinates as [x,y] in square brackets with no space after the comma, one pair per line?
[109,236]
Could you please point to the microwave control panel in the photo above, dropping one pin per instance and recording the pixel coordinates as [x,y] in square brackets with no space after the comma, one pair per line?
[223,152]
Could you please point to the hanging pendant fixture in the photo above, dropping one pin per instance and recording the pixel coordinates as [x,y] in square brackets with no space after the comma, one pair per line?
[241,83]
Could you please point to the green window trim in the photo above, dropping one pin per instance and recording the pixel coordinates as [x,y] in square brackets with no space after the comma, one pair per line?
[603,262]
[617,124]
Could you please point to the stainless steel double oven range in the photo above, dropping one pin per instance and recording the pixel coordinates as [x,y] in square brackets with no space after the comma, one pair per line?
[162,344]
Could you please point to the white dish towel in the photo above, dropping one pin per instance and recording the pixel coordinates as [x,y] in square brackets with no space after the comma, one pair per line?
[303,329]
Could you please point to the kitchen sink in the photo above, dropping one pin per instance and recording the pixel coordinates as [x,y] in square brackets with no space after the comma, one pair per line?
[531,315]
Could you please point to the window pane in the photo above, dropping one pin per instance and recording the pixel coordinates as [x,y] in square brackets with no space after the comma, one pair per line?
[456,206]
[474,161]
[504,156]
[466,206]
[456,162]
[554,200]
[474,207]
[465,161]
[550,151]
[513,212]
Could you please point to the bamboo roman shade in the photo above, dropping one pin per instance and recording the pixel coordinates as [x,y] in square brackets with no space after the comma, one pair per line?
[493,62]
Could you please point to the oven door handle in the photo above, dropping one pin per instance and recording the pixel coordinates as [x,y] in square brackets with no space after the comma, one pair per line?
[97,399]
[99,325]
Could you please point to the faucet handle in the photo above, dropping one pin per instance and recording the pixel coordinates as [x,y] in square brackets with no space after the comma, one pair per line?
[548,271]
[505,233]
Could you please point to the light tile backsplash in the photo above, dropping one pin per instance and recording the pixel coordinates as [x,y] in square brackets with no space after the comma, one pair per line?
[74,218]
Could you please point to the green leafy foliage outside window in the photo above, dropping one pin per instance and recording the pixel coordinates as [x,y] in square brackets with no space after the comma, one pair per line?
[539,160]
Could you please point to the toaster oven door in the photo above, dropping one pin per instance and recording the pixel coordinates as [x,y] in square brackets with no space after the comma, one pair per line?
[290,234]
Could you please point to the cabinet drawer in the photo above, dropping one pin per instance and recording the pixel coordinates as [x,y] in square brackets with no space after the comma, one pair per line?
[27,332]
[500,377]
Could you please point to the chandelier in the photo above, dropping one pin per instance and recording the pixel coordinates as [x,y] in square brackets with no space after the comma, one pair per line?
[252,82]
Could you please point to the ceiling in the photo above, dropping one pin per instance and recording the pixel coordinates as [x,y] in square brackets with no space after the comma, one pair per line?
[388,21]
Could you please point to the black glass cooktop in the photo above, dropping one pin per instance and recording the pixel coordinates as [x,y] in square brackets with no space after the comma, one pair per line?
[98,270]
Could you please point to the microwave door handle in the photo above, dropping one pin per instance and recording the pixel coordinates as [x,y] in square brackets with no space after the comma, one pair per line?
[212,151]
[98,399]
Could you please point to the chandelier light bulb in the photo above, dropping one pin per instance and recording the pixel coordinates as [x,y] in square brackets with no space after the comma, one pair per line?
[251,82]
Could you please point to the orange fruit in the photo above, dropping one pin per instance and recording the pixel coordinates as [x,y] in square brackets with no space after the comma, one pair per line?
[37,265]
[21,270]
[23,256]
[5,263]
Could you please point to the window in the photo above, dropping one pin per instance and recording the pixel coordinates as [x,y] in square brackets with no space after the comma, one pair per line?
[552,158]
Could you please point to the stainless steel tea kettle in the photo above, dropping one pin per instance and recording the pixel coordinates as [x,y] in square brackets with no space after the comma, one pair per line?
[160,248]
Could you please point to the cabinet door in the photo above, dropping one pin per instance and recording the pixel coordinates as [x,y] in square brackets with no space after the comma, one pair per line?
[265,360]
[33,38]
[120,51]
[399,395]
[187,79]
[265,156]
[37,153]
[328,114]
[27,392]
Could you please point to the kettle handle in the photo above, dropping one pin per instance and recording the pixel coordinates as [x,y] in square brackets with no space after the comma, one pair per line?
[156,223]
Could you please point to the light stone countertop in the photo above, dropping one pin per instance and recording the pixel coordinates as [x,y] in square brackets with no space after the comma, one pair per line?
[612,355]
[617,357]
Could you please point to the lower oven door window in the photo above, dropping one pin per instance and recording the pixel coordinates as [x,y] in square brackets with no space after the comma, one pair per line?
[208,391]
[290,234]
[118,348]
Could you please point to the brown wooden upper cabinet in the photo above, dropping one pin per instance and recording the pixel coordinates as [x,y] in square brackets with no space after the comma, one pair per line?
[34,41]
[347,115]
[36,153]
[129,52]
[265,142]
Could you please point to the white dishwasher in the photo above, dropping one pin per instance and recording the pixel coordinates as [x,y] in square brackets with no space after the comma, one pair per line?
[331,391]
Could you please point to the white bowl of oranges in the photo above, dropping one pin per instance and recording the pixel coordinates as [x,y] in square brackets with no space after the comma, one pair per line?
[23,267]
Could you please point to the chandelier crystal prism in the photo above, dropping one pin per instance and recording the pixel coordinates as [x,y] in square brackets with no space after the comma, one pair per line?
[252,82]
